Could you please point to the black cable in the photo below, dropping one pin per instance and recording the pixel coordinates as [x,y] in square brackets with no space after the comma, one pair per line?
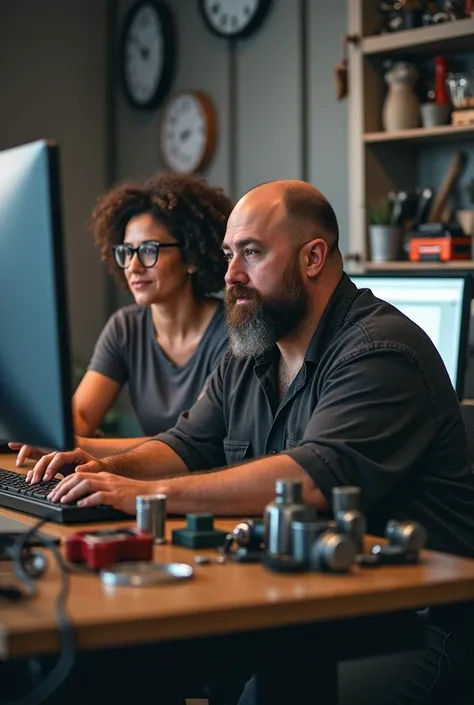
[67,654]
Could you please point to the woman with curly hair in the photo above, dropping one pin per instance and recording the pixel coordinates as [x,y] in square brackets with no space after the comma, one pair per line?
[163,241]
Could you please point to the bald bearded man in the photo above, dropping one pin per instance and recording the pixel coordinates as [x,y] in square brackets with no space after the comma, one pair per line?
[323,383]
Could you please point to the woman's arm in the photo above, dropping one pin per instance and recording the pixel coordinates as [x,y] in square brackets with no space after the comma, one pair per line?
[103,447]
[92,399]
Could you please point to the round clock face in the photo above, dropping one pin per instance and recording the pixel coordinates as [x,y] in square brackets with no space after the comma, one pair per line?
[147,53]
[234,18]
[188,131]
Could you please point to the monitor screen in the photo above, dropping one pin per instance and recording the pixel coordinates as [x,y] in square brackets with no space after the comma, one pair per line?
[438,304]
[35,379]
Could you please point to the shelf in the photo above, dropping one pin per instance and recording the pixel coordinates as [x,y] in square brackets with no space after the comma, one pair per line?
[442,133]
[381,162]
[419,266]
[456,36]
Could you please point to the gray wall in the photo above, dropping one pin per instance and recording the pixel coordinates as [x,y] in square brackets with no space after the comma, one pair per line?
[53,79]
[282,127]
[328,118]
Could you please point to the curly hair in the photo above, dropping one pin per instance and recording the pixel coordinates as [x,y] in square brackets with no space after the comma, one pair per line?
[193,212]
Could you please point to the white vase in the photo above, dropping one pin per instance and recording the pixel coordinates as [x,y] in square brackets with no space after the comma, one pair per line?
[401,109]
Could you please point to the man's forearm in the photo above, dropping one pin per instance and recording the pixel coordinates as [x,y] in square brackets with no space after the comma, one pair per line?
[151,461]
[105,447]
[238,491]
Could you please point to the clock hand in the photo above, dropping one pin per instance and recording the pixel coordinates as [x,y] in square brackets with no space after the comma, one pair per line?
[144,51]
[185,134]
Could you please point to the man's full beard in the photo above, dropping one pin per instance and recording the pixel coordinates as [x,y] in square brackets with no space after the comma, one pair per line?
[255,327]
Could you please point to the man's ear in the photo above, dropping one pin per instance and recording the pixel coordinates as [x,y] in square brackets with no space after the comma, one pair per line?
[314,256]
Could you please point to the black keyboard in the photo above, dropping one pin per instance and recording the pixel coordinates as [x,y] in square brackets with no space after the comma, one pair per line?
[17,494]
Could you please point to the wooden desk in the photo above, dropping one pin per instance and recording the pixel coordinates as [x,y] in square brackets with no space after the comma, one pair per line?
[229,598]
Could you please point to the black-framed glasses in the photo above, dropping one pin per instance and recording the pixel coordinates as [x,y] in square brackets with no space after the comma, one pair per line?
[147,253]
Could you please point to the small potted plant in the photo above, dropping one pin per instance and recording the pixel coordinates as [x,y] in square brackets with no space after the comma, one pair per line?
[385,237]
[466,216]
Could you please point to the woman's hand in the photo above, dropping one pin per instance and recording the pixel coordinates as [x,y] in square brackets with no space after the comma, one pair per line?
[90,489]
[71,461]
[28,452]
[25,452]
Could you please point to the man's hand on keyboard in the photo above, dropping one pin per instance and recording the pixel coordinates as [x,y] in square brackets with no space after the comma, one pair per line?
[71,461]
[90,489]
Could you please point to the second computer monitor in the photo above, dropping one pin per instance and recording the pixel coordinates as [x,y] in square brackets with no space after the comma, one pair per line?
[440,305]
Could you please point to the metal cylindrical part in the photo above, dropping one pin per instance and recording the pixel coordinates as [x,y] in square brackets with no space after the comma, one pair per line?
[249,533]
[241,534]
[345,499]
[352,523]
[304,534]
[278,536]
[408,535]
[151,515]
[333,552]
[290,491]
[287,506]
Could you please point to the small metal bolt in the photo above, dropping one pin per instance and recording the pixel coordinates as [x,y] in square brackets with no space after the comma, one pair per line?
[202,560]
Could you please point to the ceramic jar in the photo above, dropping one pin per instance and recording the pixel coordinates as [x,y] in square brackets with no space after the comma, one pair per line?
[401,109]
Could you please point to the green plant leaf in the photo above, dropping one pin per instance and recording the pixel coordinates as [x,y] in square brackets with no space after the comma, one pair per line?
[380,212]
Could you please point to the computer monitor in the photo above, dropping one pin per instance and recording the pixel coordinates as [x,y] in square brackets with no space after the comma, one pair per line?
[35,379]
[440,304]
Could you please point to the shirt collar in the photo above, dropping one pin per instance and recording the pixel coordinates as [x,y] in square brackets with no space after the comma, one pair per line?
[333,317]
[331,320]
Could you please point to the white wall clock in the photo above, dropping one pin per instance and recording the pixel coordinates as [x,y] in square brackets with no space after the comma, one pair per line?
[147,53]
[188,131]
[234,18]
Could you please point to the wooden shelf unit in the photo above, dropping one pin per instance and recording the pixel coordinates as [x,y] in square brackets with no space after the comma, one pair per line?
[443,133]
[449,37]
[379,161]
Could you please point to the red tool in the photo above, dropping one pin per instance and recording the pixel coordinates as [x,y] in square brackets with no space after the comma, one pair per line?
[104,547]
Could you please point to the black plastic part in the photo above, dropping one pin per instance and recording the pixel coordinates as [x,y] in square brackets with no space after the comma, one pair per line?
[283,564]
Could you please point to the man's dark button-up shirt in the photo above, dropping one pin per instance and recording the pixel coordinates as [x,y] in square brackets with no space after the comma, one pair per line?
[372,405]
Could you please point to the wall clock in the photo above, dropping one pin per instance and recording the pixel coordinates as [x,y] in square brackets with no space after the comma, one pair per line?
[233,18]
[147,53]
[188,131]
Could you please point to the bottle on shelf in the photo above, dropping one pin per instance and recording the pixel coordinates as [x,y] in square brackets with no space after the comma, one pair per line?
[441,89]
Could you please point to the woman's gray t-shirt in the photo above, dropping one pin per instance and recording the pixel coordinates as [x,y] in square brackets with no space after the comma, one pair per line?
[127,352]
